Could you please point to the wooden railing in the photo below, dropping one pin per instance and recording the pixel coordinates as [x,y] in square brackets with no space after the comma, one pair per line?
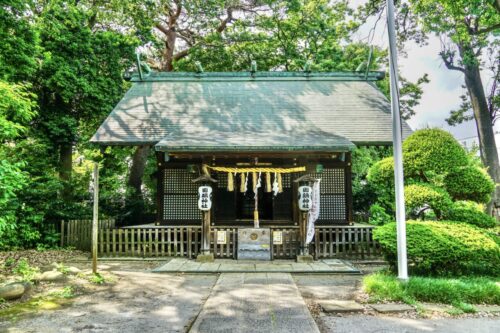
[345,242]
[227,250]
[77,233]
[289,248]
[185,241]
[150,242]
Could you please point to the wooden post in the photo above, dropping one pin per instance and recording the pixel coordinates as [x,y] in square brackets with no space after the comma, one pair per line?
[205,233]
[303,234]
[95,218]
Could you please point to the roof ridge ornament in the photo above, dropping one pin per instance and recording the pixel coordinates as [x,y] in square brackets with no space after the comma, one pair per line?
[253,67]
[307,67]
[199,68]
[140,64]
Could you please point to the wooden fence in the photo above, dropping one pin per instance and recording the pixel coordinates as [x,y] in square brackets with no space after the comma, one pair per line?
[150,242]
[78,233]
[290,243]
[345,242]
[185,241]
[227,250]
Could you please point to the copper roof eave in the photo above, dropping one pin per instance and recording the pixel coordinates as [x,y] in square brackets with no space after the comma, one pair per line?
[256,76]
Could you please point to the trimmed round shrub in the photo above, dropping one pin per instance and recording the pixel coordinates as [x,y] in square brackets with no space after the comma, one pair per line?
[469,183]
[471,213]
[443,248]
[432,151]
[420,195]
[382,172]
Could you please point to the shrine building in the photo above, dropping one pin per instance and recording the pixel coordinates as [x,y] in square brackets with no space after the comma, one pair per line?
[253,138]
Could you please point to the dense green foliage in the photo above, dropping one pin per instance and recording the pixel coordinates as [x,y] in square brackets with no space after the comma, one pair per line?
[470,212]
[455,291]
[443,248]
[378,215]
[431,152]
[17,109]
[437,171]
[469,183]
[422,195]
[364,195]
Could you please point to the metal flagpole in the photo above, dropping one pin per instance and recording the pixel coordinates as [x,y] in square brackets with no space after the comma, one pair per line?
[95,217]
[397,143]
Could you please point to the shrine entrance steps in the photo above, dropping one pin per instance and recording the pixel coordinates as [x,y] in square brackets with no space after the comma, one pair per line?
[326,266]
[254,302]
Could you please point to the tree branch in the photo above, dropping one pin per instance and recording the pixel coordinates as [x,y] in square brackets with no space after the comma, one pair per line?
[162,28]
[448,61]
[486,30]
[181,54]
[224,22]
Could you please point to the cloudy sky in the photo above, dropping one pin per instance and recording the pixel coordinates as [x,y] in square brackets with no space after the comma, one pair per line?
[443,92]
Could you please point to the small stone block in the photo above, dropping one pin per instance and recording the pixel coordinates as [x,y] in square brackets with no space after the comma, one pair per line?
[341,306]
[205,257]
[392,308]
[305,259]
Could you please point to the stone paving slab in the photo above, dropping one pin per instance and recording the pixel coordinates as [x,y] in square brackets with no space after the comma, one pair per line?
[488,308]
[392,308]
[339,306]
[255,302]
[333,266]
[392,324]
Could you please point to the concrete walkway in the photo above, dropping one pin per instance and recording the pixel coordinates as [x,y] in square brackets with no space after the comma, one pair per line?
[328,266]
[255,302]
[386,324]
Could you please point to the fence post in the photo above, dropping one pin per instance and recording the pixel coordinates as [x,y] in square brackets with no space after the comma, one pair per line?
[62,233]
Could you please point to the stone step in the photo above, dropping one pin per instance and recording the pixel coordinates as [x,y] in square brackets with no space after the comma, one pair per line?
[392,308]
[340,306]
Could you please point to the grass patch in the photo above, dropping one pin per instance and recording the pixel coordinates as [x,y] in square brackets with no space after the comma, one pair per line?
[99,279]
[460,292]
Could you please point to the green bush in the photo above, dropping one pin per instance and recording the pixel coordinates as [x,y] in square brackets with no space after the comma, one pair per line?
[381,178]
[469,183]
[421,195]
[378,215]
[443,248]
[432,151]
[382,172]
[456,291]
[471,213]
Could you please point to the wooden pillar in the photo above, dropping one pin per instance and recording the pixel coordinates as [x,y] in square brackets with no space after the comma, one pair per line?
[205,233]
[205,255]
[304,250]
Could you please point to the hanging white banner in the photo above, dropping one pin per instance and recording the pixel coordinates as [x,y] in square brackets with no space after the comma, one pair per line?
[313,212]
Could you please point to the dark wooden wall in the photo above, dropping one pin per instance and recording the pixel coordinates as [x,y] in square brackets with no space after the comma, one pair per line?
[177,195]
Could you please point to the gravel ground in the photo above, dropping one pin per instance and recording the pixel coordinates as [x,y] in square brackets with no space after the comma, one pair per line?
[135,301]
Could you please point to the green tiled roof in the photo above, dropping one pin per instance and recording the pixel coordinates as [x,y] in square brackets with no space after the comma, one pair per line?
[244,111]
[255,141]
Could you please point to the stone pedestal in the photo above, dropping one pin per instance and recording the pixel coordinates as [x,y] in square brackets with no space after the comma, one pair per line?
[254,244]
[209,257]
[305,258]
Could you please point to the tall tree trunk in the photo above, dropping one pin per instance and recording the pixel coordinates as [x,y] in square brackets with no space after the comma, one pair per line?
[137,169]
[134,206]
[65,168]
[485,131]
